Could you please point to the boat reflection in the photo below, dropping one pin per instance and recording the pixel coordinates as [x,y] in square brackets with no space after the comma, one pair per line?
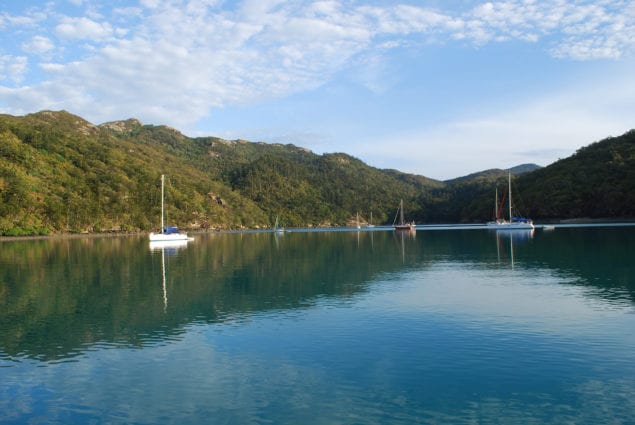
[517,235]
[228,276]
[166,248]
[401,235]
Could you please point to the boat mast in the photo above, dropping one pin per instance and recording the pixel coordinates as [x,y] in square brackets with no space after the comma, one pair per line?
[401,212]
[509,184]
[496,208]
[162,190]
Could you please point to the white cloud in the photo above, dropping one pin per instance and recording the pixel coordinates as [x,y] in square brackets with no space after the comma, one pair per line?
[52,67]
[185,57]
[150,4]
[587,49]
[127,11]
[7,21]
[13,68]
[38,45]
[83,28]
[577,30]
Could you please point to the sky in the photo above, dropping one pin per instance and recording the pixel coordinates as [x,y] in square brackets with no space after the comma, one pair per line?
[440,88]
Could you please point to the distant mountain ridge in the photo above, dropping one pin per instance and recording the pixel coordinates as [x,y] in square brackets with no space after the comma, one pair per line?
[495,173]
[60,173]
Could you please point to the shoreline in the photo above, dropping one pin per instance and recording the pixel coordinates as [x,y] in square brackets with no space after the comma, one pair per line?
[579,222]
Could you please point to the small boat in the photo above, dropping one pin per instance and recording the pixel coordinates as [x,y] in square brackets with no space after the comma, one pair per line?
[402,225]
[357,222]
[370,223]
[168,233]
[277,228]
[514,222]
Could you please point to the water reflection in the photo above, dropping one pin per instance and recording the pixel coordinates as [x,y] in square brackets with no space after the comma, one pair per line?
[59,296]
[320,328]
[166,248]
[517,236]
[402,236]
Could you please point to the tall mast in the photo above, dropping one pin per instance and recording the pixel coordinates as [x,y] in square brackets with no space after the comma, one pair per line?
[509,184]
[496,208]
[401,211]
[162,190]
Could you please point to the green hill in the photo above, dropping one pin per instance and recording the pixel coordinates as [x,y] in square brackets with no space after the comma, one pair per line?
[62,174]
[598,181]
[59,173]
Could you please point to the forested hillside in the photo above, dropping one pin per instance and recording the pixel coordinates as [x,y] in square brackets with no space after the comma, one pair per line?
[598,181]
[60,174]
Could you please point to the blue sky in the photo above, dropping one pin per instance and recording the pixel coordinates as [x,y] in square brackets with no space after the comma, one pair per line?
[437,88]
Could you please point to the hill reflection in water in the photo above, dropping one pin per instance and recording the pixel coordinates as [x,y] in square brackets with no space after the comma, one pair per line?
[60,297]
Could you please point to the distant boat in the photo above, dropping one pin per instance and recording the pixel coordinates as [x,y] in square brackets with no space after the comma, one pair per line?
[514,222]
[277,228]
[168,233]
[357,221]
[370,223]
[402,225]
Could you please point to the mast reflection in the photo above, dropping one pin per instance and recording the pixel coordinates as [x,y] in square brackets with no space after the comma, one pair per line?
[518,236]
[166,248]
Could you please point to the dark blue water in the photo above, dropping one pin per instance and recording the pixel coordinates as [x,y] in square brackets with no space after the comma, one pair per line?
[456,326]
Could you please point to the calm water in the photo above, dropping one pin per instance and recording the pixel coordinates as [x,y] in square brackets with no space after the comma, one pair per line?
[461,326]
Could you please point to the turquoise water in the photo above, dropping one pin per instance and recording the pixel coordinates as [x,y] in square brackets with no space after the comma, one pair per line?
[444,326]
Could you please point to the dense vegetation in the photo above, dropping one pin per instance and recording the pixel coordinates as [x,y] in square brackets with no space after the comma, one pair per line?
[598,182]
[60,173]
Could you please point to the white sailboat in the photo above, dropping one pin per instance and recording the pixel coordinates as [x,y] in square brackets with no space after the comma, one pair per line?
[168,233]
[370,223]
[514,222]
[276,227]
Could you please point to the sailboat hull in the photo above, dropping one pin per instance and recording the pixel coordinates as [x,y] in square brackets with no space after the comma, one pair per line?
[168,237]
[506,225]
[160,245]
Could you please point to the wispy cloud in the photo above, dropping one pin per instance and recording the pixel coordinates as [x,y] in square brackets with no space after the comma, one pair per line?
[172,61]
[83,28]
[38,45]
[542,130]
[12,68]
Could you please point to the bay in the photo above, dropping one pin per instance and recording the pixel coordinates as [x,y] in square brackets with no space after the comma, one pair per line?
[347,327]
